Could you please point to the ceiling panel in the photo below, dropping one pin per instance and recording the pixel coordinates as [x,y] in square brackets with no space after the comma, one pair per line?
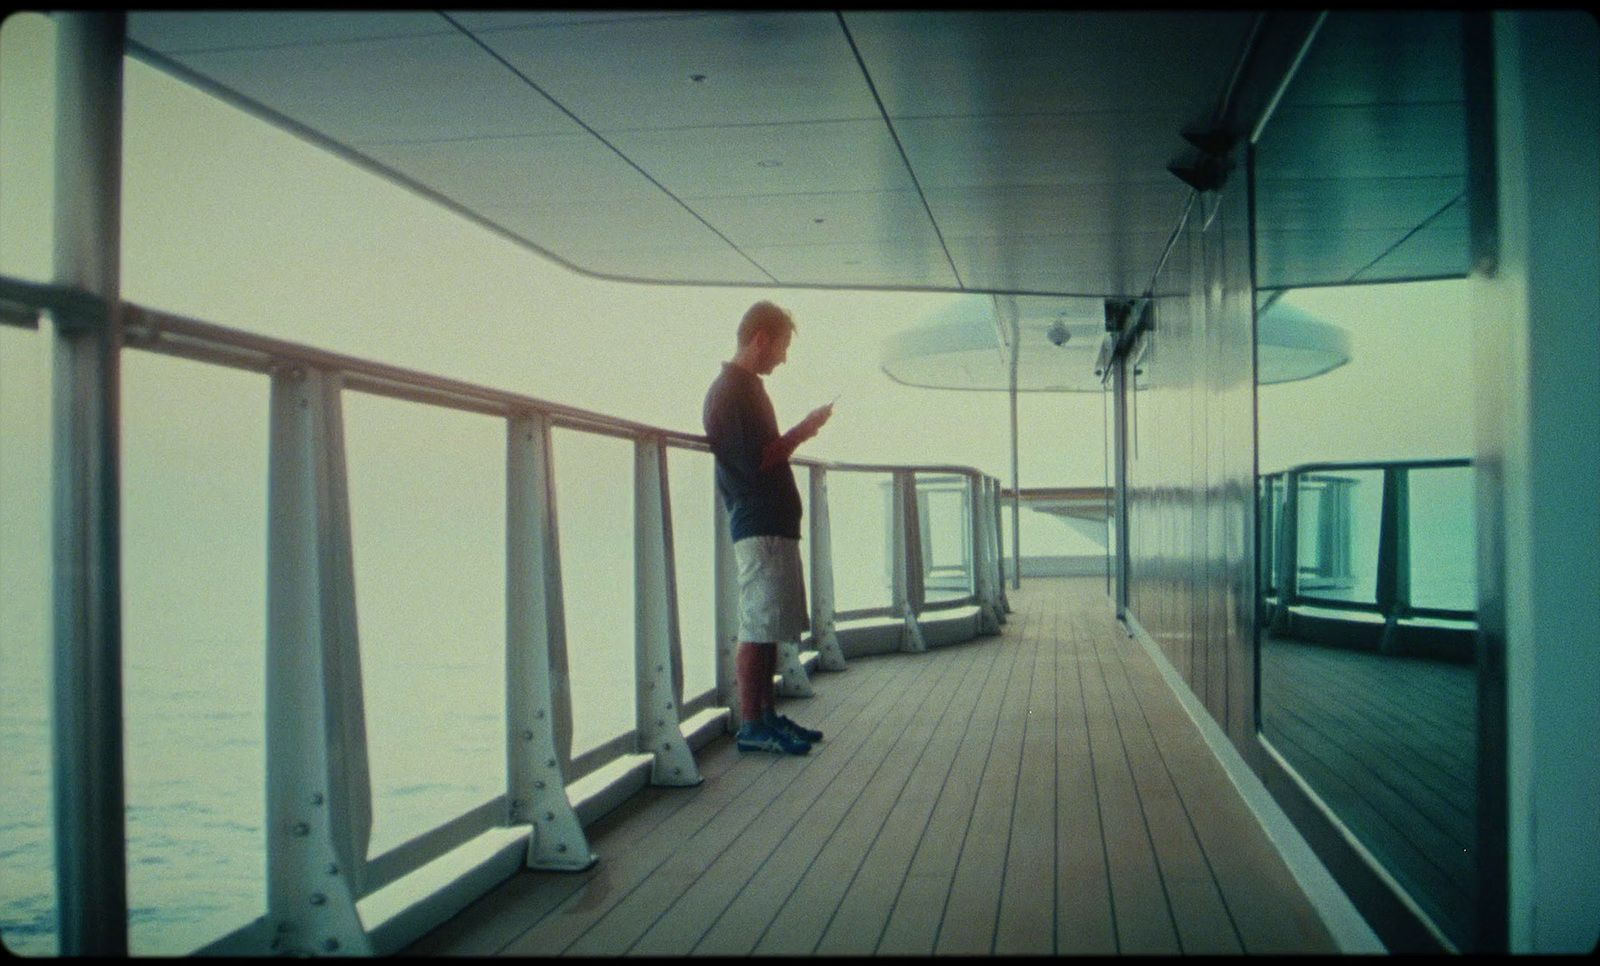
[1361,172]
[172,32]
[648,220]
[822,218]
[1027,211]
[695,72]
[1036,149]
[769,159]
[1339,203]
[712,264]
[359,92]
[953,64]
[1097,263]
[1019,152]
[519,171]
[852,265]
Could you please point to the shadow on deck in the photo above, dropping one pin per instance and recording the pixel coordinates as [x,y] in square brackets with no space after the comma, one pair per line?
[1039,792]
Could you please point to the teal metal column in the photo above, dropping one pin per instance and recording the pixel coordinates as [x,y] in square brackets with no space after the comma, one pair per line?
[86,717]
[982,577]
[1393,592]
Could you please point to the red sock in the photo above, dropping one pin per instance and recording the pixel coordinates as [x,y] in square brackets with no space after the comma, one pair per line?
[769,668]
[748,667]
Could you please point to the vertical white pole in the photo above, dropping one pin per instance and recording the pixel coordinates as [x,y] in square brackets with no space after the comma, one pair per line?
[1016,481]
[999,552]
[657,680]
[982,553]
[829,655]
[86,719]
[319,811]
[727,577]
[907,548]
[535,764]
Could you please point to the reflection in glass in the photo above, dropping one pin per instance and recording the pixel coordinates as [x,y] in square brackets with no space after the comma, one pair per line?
[1367,685]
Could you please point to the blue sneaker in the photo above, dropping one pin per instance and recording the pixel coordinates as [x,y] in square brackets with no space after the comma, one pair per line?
[805,734]
[760,736]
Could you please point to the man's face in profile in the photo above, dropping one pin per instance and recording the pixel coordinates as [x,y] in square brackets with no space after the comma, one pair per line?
[774,351]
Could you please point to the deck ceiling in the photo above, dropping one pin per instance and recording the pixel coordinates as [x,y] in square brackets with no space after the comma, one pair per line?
[1021,154]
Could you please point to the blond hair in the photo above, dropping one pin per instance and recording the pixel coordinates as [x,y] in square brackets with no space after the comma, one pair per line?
[764,316]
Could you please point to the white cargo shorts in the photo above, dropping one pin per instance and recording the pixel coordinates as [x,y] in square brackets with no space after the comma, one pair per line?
[772,589]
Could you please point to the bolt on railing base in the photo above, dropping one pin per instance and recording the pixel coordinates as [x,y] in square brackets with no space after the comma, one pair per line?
[793,681]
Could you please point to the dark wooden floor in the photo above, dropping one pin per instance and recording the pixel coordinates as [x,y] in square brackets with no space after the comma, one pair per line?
[1037,792]
[1390,744]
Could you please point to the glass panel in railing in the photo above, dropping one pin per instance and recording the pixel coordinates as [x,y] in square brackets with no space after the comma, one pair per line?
[946,536]
[428,517]
[802,480]
[1444,567]
[194,517]
[859,506]
[694,556]
[1339,515]
[27,835]
[594,510]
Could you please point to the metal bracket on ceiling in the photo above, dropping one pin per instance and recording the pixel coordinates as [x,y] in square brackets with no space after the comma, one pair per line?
[1206,168]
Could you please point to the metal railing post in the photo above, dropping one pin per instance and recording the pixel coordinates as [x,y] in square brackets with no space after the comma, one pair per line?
[727,579]
[1393,591]
[86,716]
[907,560]
[982,577]
[829,655]
[538,700]
[999,551]
[319,799]
[658,665]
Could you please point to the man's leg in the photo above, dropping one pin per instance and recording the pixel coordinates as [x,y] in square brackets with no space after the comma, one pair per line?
[754,698]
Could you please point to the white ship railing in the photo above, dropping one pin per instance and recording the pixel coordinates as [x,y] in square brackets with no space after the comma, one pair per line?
[317,785]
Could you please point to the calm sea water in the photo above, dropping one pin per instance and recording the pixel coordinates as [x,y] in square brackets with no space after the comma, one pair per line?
[433,671]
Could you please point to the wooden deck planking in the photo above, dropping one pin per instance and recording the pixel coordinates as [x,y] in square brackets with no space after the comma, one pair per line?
[789,806]
[1037,793]
[915,921]
[858,924]
[1389,744]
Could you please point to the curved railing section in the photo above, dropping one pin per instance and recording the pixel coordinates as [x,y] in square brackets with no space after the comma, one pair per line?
[940,578]
[1372,555]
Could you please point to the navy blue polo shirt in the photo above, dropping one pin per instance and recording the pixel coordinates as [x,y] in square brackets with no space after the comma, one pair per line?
[739,422]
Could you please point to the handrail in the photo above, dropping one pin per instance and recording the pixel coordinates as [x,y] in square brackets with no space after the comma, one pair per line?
[1392,599]
[318,841]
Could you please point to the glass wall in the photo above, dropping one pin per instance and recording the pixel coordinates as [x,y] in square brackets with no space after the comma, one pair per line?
[1367,686]
[944,510]
[689,480]
[858,517]
[427,523]
[594,519]
[193,636]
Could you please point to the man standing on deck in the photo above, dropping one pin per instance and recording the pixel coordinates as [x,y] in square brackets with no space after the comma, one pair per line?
[758,489]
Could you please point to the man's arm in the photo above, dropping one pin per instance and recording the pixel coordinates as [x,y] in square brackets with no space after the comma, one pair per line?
[779,449]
